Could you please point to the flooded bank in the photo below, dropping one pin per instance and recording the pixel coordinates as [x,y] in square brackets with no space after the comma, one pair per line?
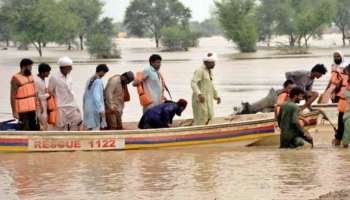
[198,172]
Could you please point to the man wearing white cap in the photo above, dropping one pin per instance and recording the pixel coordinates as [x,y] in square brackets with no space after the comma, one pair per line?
[60,86]
[204,92]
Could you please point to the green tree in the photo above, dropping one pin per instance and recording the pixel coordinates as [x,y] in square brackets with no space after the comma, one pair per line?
[302,19]
[266,17]
[179,38]
[34,21]
[5,28]
[237,18]
[342,18]
[151,16]
[70,28]
[314,17]
[105,26]
[100,40]
[207,28]
[88,11]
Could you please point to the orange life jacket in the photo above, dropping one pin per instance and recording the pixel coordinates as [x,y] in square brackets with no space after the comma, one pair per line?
[51,110]
[342,87]
[335,74]
[145,99]
[280,101]
[144,96]
[26,100]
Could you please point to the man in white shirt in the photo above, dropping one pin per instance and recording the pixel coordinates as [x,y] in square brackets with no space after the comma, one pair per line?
[60,86]
[42,93]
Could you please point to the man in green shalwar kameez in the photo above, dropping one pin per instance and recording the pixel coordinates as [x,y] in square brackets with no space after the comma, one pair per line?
[292,134]
[204,92]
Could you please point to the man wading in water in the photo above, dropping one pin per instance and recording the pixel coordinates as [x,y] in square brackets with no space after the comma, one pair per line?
[292,133]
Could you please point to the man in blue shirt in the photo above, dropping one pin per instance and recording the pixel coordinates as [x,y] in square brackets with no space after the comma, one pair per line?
[161,116]
[153,82]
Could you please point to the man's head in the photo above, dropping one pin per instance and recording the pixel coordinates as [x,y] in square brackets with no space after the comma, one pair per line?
[101,70]
[127,77]
[338,57]
[210,60]
[26,66]
[155,61]
[44,70]
[182,103]
[65,64]
[288,85]
[318,71]
[297,95]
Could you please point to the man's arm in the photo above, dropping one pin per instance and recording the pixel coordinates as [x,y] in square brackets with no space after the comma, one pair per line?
[141,77]
[98,96]
[51,86]
[114,94]
[216,95]
[14,88]
[290,76]
[197,77]
[295,121]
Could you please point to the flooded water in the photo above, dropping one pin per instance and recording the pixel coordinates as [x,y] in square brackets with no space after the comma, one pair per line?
[207,172]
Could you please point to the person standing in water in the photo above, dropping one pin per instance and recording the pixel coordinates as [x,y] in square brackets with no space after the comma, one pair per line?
[335,85]
[345,140]
[292,133]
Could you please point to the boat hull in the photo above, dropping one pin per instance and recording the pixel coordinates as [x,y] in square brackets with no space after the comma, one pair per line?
[240,133]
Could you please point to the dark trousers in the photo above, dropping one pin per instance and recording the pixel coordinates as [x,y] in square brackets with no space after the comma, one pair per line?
[28,121]
[340,132]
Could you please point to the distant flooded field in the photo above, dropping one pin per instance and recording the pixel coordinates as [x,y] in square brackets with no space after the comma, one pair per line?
[208,172]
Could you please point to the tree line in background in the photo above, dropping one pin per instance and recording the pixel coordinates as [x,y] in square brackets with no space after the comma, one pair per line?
[38,22]
[167,21]
[78,22]
[246,22]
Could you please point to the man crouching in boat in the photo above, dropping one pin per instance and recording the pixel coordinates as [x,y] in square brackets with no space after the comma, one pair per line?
[161,116]
[292,133]
[305,81]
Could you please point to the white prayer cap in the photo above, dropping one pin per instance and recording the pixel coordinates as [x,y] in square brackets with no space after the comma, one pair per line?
[210,57]
[65,61]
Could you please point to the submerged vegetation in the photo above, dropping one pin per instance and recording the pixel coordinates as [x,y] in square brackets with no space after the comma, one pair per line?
[38,22]
[248,21]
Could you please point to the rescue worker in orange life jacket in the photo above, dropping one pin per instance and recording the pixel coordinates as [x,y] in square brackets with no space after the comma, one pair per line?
[343,82]
[283,95]
[24,97]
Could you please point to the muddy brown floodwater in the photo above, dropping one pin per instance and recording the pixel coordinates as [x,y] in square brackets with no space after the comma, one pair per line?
[198,172]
